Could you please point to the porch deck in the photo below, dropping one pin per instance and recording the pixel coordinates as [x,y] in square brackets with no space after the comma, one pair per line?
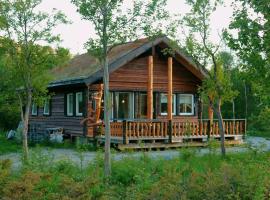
[173,133]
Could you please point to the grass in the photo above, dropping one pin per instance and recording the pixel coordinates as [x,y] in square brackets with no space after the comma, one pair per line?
[8,146]
[237,176]
[13,146]
[264,134]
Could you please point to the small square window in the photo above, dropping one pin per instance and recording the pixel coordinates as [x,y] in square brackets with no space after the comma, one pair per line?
[186,104]
[164,104]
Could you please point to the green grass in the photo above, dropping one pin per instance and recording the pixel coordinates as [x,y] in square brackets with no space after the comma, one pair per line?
[264,134]
[12,146]
[188,176]
[8,146]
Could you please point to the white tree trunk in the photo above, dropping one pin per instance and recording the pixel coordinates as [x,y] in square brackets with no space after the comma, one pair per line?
[25,119]
[107,102]
[221,128]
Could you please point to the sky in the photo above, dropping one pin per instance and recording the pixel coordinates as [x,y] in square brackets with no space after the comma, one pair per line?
[76,34]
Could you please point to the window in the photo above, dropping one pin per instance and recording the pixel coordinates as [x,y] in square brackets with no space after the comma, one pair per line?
[124,105]
[70,104]
[142,106]
[46,109]
[34,109]
[79,104]
[186,104]
[164,104]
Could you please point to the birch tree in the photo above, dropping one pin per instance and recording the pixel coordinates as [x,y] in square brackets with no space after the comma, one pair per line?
[217,87]
[22,30]
[114,25]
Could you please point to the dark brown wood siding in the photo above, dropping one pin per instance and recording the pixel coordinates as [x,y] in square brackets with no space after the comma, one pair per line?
[57,117]
[133,76]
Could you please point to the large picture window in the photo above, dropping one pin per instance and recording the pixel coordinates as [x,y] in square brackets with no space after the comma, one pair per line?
[79,104]
[70,104]
[186,104]
[46,109]
[124,105]
[164,104]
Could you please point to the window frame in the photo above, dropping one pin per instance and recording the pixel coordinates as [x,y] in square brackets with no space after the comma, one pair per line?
[69,114]
[173,106]
[192,105]
[77,113]
[34,113]
[115,105]
[48,102]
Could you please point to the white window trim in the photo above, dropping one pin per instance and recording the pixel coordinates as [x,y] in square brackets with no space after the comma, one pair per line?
[174,105]
[69,113]
[77,104]
[192,106]
[34,113]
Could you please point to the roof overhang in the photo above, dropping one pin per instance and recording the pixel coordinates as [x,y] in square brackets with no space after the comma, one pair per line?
[187,62]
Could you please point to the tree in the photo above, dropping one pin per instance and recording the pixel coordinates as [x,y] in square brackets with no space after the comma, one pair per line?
[217,87]
[249,36]
[26,62]
[114,27]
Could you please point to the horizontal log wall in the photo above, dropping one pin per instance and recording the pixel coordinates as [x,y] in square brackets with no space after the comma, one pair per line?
[57,116]
[134,77]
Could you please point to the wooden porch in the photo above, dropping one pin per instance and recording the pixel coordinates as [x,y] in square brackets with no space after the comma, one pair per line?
[173,133]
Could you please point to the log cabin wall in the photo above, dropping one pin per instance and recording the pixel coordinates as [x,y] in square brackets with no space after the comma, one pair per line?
[134,77]
[57,117]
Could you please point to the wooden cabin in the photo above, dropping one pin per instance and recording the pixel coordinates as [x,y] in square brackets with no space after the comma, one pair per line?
[154,98]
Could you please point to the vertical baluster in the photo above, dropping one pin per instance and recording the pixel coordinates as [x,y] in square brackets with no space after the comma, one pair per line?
[166,129]
[204,128]
[241,127]
[174,129]
[237,128]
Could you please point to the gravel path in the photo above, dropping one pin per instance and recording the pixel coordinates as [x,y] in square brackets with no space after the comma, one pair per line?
[86,157]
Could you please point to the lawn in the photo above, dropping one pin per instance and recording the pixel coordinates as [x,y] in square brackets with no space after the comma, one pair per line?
[8,146]
[12,146]
[188,176]
[264,134]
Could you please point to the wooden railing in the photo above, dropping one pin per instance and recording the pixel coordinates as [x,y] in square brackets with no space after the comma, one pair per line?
[164,129]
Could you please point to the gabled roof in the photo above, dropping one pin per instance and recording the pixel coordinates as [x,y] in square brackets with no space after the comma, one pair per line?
[86,68]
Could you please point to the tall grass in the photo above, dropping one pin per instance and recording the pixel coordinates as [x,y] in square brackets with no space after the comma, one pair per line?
[238,176]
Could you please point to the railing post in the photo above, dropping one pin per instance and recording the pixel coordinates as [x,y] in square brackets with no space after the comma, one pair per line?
[208,129]
[245,133]
[170,130]
[125,138]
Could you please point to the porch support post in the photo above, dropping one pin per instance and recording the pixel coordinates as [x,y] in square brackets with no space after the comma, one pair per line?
[170,95]
[150,89]
[210,114]
[210,122]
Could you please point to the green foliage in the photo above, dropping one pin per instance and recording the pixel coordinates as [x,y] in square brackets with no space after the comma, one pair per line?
[24,61]
[248,35]
[238,176]
[209,86]
[8,146]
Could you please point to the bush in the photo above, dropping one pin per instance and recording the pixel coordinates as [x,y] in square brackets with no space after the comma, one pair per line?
[238,176]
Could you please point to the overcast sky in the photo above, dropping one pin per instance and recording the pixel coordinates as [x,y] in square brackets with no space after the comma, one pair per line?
[76,34]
